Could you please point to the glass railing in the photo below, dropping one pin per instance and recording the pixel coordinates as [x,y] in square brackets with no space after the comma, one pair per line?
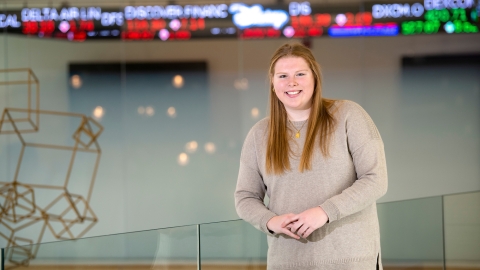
[158,249]
[411,233]
[440,232]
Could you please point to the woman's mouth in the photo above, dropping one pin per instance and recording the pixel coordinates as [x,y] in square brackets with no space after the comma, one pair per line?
[293,94]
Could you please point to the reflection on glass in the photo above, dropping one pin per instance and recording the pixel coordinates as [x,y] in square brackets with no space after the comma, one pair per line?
[255,112]
[172,248]
[172,112]
[176,249]
[411,233]
[232,245]
[462,230]
[191,147]
[177,81]
[149,111]
[98,112]
[76,81]
[210,147]
[183,159]
[241,84]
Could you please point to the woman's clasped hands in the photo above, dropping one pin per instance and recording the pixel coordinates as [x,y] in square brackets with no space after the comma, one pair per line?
[298,225]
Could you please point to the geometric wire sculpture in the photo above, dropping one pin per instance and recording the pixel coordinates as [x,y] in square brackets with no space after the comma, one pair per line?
[19,208]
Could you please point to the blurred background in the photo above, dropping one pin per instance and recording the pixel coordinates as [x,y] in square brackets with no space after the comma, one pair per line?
[177,85]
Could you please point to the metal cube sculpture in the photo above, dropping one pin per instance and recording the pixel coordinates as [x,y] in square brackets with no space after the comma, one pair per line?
[66,215]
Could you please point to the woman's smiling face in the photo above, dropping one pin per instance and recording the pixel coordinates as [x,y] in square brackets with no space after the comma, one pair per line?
[293,81]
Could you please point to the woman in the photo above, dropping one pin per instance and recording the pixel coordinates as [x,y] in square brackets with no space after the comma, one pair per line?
[322,164]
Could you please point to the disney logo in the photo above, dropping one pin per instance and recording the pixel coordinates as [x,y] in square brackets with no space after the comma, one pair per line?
[245,17]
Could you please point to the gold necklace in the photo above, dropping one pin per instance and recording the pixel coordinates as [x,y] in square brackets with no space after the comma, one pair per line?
[297,134]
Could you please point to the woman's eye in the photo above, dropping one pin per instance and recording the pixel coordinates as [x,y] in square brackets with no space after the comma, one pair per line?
[301,74]
[282,76]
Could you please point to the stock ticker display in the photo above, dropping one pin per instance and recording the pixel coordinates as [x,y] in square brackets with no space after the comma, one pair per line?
[242,21]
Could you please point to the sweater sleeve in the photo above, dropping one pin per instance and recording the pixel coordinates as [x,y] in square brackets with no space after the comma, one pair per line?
[250,190]
[366,148]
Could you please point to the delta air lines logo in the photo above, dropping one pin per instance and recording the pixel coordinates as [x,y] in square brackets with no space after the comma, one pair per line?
[245,16]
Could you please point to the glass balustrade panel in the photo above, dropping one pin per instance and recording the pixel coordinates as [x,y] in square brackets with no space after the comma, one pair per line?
[170,248]
[411,233]
[232,245]
[462,231]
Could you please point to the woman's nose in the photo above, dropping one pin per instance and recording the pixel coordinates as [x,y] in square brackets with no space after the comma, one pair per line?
[292,82]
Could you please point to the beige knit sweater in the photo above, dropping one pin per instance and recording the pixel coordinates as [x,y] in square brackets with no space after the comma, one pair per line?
[346,186]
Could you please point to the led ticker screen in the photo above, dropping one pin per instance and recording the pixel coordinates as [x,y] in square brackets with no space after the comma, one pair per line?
[448,20]
[245,21]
